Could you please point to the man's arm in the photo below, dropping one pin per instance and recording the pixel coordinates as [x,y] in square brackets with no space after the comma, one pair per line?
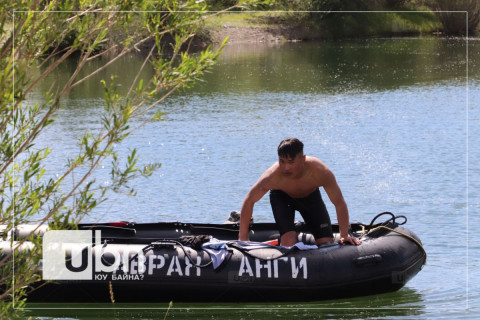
[255,194]
[336,197]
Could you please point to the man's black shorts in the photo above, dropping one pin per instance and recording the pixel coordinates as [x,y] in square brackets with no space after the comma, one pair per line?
[312,208]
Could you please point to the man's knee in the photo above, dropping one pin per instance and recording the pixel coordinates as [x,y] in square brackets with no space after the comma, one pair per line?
[288,239]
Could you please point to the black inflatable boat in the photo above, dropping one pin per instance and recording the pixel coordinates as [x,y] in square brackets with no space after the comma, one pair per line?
[129,262]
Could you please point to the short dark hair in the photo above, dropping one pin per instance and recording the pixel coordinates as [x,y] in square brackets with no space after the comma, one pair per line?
[289,148]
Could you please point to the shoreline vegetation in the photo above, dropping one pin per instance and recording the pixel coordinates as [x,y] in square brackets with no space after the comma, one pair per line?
[277,26]
[288,26]
[310,20]
[364,19]
[295,26]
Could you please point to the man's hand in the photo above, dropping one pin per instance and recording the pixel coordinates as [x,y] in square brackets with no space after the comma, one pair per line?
[351,240]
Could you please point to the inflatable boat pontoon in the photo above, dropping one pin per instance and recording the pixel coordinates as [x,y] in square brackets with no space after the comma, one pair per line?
[130,262]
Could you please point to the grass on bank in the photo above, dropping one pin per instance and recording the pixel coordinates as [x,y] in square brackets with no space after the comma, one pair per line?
[336,25]
[259,19]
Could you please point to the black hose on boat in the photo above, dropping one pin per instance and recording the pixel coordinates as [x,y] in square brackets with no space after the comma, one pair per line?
[161,243]
[168,243]
[390,223]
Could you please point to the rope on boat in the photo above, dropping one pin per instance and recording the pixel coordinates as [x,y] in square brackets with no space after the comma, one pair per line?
[405,235]
[391,221]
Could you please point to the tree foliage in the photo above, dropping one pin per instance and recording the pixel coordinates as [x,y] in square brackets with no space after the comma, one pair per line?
[354,18]
[453,15]
[43,35]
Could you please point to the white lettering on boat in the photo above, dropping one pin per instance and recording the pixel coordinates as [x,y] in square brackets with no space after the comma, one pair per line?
[259,266]
[141,266]
[127,276]
[152,265]
[245,267]
[275,265]
[270,268]
[164,265]
[301,265]
[138,265]
[177,266]
[174,267]
[189,265]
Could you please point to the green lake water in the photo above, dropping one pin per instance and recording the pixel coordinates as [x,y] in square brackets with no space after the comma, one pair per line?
[397,121]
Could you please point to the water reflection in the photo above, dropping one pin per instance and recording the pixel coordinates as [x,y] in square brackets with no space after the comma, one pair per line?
[333,67]
[125,70]
[306,67]
[404,303]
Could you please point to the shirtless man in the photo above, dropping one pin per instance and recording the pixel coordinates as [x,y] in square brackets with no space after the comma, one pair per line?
[294,183]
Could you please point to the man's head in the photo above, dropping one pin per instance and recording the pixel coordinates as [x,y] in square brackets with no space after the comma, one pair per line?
[290,148]
[290,157]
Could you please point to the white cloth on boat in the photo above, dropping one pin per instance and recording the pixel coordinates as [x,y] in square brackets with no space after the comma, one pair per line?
[218,250]
[302,246]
